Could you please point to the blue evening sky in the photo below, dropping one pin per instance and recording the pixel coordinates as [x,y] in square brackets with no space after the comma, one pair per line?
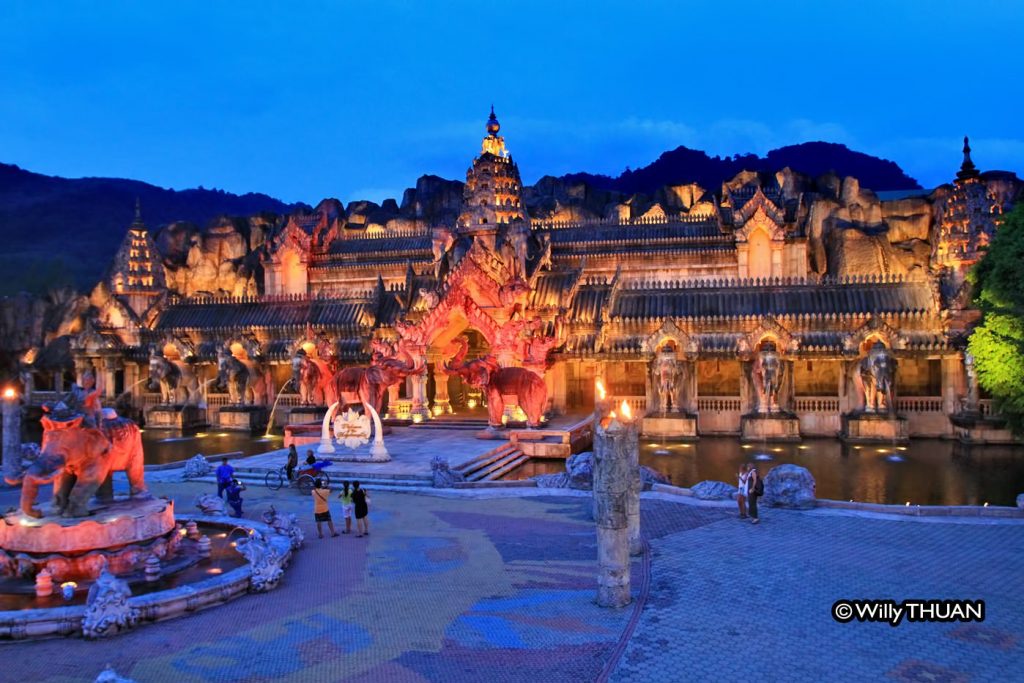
[351,99]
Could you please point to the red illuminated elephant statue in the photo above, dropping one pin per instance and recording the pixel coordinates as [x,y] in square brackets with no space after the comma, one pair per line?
[497,382]
[80,461]
[388,366]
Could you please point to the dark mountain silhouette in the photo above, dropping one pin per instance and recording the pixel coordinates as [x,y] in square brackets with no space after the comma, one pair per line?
[58,231]
[684,165]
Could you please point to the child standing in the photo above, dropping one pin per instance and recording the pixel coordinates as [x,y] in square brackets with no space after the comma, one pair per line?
[346,506]
[321,512]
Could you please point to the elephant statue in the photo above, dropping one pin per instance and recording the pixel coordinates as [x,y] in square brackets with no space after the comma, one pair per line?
[178,384]
[243,379]
[497,382]
[80,462]
[389,366]
[877,378]
[768,374]
[665,378]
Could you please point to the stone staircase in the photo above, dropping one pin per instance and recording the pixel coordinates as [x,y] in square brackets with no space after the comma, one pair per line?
[493,464]
[476,424]
[255,476]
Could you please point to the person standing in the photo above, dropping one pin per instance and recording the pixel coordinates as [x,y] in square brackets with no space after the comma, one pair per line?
[234,490]
[321,511]
[346,506]
[361,503]
[225,475]
[741,496]
[755,489]
[293,462]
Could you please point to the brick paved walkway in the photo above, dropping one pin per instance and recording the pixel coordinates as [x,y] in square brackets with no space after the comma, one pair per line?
[501,589]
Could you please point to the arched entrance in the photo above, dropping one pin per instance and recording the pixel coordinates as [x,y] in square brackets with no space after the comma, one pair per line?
[450,393]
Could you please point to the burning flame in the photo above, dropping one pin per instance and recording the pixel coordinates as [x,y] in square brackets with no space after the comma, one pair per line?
[10,393]
[627,414]
[612,415]
[601,393]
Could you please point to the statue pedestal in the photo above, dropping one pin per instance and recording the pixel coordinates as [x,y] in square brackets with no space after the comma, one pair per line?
[242,418]
[769,427]
[670,426]
[178,417]
[971,427]
[306,415]
[123,533]
[875,428]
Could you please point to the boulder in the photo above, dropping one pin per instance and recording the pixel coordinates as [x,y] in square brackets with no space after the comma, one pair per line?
[197,466]
[579,470]
[714,490]
[552,481]
[649,477]
[908,219]
[789,486]
[1020,501]
[210,504]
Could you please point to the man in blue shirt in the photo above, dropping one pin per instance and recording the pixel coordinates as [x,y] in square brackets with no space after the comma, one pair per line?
[225,473]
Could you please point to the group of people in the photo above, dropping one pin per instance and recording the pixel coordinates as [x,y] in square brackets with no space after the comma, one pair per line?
[354,501]
[226,482]
[751,487]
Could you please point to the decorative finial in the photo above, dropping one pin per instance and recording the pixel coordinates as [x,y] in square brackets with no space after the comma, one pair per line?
[967,168]
[492,124]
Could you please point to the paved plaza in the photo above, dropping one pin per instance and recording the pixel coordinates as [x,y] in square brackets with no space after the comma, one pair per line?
[483,586]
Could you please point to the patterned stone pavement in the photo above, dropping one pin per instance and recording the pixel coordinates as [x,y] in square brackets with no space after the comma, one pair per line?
[500,588]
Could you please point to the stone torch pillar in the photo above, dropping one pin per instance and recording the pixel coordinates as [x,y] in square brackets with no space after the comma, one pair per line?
[12,433]
[614,439]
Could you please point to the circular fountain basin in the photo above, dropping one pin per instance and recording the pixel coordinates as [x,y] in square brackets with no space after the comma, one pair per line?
[120,535]
[198,584]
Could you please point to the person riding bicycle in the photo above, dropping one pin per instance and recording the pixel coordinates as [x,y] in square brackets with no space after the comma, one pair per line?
[315,466]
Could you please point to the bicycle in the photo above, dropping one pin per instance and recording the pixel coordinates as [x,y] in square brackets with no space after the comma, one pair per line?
[305,481]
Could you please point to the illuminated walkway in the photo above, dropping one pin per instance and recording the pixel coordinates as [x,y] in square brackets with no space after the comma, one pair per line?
[465,588]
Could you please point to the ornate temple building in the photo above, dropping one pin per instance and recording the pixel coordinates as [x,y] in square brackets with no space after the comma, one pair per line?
[774,295]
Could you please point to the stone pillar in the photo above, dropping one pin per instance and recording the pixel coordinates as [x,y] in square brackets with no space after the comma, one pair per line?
[442,402]
[82,365]
[107,368]
[690,388]
[959,379]
[846,404]
[392,400]
[12,433]
[557,377]
[614,472]
[419,396]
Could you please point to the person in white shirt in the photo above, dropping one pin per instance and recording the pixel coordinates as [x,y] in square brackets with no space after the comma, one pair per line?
[744,483]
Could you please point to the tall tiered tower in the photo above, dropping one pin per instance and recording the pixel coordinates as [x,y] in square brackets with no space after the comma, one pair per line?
[493,194]
[966,218]
[137,275]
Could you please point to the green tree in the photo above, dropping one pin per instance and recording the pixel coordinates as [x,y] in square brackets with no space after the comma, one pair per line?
[997,343]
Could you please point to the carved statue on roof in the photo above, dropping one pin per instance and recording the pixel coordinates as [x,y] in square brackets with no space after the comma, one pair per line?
[441,241]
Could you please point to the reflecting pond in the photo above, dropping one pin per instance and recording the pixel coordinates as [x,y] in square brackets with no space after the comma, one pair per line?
[925,472]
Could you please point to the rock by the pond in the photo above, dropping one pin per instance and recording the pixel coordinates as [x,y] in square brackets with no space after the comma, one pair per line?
[714,490]
[1020,501]
[789,486]
[197,466]
[649,477]
[552,481]
[579,469]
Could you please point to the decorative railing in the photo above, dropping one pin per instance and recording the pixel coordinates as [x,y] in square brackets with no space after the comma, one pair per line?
[718,404]
[817,404]
[919,404]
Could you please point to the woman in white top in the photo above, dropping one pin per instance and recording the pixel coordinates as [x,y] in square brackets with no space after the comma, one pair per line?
[741,495]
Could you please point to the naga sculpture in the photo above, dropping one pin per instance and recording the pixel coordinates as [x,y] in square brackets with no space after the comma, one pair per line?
[243,379]
[388,366]
[80,461]
[877,375]
[178,384]
[497,382]
[768,374]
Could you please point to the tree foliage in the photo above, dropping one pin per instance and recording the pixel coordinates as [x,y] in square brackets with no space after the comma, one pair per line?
[997,343]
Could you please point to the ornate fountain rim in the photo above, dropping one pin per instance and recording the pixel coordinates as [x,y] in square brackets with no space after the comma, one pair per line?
[48,622]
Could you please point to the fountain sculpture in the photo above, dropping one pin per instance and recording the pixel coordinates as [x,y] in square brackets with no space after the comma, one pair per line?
[876,419]
[769,418]
[670,414]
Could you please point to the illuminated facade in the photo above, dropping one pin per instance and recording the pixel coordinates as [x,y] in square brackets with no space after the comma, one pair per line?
[710,278]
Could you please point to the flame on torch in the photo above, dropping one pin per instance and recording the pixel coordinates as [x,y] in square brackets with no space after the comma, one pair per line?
[10,393]
[601,393]
[627,414]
